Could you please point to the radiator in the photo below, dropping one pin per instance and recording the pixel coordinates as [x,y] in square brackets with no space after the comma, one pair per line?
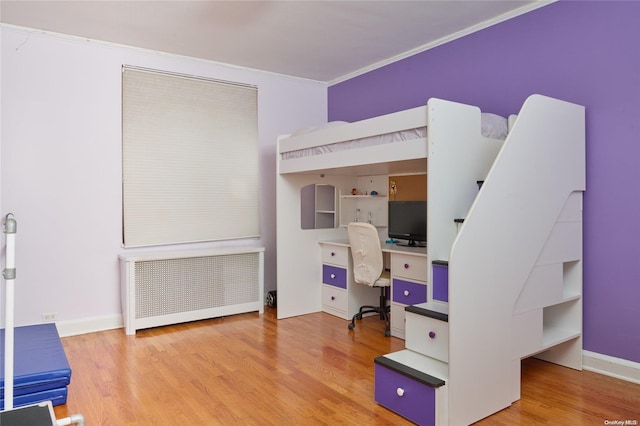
[173,287]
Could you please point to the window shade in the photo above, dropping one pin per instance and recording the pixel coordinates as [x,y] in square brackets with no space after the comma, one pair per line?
[190,159]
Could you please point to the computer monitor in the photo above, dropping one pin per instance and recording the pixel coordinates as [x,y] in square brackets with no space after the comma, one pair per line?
[408,221]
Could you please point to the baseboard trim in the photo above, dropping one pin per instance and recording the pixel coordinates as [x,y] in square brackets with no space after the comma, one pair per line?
[611,366]
[89,325]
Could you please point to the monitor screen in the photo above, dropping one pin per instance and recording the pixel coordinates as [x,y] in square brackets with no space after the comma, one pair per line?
[408,221]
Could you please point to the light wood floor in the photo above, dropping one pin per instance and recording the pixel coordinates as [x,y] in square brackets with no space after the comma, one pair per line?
[252,369]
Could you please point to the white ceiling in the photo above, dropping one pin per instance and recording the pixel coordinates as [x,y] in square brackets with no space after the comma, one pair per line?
[320,40]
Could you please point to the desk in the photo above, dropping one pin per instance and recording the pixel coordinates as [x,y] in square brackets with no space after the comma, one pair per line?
[342,297]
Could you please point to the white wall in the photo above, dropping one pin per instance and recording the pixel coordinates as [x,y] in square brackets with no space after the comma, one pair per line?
[61,166]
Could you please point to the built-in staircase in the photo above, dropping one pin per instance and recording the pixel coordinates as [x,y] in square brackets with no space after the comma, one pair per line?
[505,254]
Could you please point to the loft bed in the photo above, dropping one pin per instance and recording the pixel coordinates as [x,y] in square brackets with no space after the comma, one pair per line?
[394,137]
[335,154]
[513,247]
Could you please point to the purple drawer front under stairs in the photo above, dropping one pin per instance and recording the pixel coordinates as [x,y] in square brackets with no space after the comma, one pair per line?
[440,280]
[408,392]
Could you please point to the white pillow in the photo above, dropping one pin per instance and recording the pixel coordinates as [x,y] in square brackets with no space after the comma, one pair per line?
[494,126]
[314,128]
[512,121]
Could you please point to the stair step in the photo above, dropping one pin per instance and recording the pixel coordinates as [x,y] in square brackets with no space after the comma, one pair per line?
[415,309]
[412,373]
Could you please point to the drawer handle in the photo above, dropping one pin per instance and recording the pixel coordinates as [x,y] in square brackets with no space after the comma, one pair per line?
[333,276]
[333,298]
[432,334]
[406,292]
[333,254]
[406,266]
[400,391]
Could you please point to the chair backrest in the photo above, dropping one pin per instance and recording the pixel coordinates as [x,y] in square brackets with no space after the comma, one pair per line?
[366,252]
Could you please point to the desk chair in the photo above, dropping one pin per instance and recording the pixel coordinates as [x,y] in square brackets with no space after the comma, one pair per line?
[368,268]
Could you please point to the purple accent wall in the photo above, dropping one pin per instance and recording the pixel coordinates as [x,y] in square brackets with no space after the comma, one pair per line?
[583,52]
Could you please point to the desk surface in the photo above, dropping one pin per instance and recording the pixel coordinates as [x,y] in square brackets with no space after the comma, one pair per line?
[386,248]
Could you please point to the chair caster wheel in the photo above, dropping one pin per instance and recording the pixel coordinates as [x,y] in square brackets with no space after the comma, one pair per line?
[351,326]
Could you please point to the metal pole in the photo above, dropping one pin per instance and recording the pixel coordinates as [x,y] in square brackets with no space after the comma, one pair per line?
[9,274]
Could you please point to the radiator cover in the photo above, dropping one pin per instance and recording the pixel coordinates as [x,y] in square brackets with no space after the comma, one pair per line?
[172,287]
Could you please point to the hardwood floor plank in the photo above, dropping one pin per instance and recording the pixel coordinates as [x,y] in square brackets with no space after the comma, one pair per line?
[253,369]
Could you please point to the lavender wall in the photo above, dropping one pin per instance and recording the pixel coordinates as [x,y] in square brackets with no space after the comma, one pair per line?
[61,167]
[583,52]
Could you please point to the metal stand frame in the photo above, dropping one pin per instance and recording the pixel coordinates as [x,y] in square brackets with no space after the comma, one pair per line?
[9,274]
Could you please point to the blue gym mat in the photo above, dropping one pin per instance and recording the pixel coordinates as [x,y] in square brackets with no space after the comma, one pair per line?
[41,370]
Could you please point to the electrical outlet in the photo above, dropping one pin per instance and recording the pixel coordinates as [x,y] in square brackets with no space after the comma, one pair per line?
[50,317]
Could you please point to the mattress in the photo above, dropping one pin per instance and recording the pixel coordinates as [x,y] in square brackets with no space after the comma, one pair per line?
[41,369]
[492,126]
[404,135]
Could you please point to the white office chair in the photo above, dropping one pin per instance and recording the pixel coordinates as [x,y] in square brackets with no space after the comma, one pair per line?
[368,268]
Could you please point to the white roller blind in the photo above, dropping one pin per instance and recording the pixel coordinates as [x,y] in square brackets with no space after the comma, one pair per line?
[190,159]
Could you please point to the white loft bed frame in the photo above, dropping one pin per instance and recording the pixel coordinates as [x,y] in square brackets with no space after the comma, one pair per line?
[298,266]
[386,124]
[515,265]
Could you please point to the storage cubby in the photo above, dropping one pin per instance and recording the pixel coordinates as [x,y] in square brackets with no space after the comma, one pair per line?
[325,211]
[571,279]
[561,322]
[318,206]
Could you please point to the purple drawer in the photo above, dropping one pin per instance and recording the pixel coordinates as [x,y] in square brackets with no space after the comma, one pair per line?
[440,282]
[409,398]
[334,276]
[409,293]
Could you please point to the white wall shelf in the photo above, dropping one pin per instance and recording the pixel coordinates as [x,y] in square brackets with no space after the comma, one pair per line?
[366,207]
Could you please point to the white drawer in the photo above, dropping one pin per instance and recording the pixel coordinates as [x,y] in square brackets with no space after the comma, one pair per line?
[336,255]
[335,301]
[428,336]
[408,266]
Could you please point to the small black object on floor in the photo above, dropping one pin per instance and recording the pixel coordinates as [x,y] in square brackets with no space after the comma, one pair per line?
[31,415]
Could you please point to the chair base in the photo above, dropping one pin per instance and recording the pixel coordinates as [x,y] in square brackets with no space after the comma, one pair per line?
[383,310]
